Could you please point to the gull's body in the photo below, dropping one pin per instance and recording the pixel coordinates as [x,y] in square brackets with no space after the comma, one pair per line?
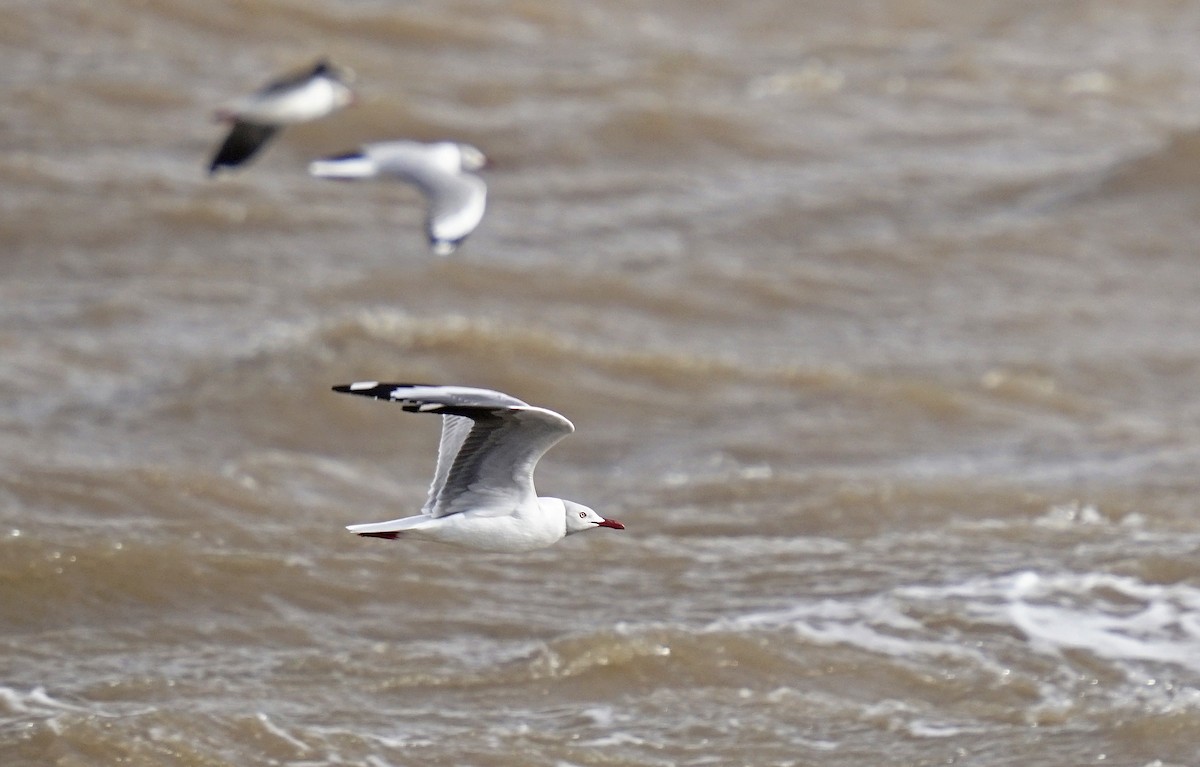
[482,496]
[443,171]
[298,98]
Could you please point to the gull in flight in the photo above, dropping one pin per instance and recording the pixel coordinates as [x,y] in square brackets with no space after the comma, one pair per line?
[314,93]
[482,495]
[443,171]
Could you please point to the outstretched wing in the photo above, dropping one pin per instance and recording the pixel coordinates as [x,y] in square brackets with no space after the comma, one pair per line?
[490,443]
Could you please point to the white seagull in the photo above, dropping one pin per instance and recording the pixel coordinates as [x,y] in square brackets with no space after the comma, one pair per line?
[482,495]
[443,171]
[301,97]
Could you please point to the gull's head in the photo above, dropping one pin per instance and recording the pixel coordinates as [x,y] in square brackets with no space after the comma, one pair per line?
[580,518]
[343,95]
[471,158]
[338,80]
[447,156]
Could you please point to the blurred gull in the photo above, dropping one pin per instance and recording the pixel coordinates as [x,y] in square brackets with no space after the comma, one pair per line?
[309,95]
[443,171]
[482,496]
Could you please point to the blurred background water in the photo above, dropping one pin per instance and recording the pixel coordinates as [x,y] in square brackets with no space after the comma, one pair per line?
[877,323]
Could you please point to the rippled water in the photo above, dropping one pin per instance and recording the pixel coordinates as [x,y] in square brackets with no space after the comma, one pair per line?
[877,323]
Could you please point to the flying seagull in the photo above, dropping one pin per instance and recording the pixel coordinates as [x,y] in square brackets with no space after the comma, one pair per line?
[443,171]
[482,495]
[308,95]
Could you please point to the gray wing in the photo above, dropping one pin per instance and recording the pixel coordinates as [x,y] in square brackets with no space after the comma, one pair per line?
[490,443]
[455,430]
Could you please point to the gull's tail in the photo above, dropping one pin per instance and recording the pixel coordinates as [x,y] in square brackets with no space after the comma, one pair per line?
[391,529]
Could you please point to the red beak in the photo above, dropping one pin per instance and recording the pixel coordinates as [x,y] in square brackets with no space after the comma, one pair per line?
[614,524]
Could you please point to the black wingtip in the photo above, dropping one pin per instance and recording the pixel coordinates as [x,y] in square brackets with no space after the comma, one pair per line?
[390,535]
[243,142]
[354,154]
[376,389]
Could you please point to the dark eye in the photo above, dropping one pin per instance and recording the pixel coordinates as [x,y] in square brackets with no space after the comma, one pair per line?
[583,515]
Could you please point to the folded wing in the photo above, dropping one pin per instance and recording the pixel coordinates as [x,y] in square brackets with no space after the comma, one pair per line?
[456,206]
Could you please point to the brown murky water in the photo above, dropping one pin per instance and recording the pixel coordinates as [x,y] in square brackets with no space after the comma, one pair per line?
[877,322]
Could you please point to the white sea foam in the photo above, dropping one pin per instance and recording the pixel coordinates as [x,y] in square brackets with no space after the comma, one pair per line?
[281,733]
[1112,616]
[34,705]
[875,624]
[34,702]
[1144,632]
